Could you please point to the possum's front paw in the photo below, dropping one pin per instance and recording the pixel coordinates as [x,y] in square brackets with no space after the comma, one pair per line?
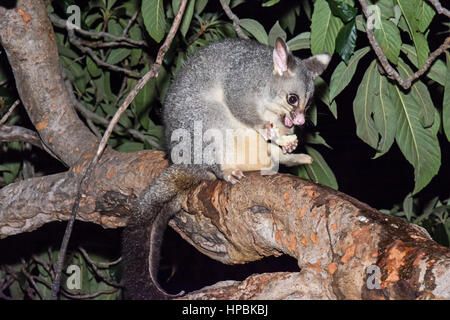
[233,176]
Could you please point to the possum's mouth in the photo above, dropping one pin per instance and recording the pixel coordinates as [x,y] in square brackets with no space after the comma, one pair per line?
[294,118]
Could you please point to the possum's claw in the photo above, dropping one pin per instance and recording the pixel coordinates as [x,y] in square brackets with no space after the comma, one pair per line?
[234,176]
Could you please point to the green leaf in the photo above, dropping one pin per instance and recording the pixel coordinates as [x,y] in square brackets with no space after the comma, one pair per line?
[419,145]
[154,18]
[92,67]
[342,10]
[118,55]
[200,5]
[363,108]
[420,93]
[424,15]
[322,92]
[384,116]
[130,146]
[388,37]
[315,138]
[324,28]
[276,32]
[288,20]
[446,102]
[409,8]
[437,70]
[311,114]
[343,73]
[187,17]
[300,41]
[408,207]
[346,41]
[255,29]
[319,171]
[270,3]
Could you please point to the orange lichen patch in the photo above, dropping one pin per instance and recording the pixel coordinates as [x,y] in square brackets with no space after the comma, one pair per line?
[332,267]
[110,174]
[396,259]
[41,125]
[332,203]
[88,155]
[278,237]
[374,253]
[50,140]
[322,230]
[78,169]
[314,238]
[292,244]
[286,196]
[301,212]
[53,105]
[288,207]
[25,16]
[313,214]
[315,266]
[305,241]
[334,227]
[349,253]
[418,258]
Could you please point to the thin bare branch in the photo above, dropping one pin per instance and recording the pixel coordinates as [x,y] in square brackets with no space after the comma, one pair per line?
[7,114]
[439,8]
[233,18]
[105,35]
[390,71]
[15,133]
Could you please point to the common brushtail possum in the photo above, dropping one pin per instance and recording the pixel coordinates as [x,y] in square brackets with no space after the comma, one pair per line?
[230,97]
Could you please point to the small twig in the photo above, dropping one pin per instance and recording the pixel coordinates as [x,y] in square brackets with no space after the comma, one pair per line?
[7,114]
[390,71]
[86,50]
[84,179]
[3,82]
[33,283]
[233,18]
[105,35]
[439,8]
[95,267]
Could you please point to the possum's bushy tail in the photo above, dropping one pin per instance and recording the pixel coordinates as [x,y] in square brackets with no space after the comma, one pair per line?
[142,238]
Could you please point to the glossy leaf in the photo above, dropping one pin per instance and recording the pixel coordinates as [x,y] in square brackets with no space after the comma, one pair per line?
[446,102]
[319,171]
[154,18]
[419,145]
[276,32]
[342,10]
[343,73]
[187,17]
[346,41]
[388,37]
[409,8]
[255,29]
[300,41]
[324,28]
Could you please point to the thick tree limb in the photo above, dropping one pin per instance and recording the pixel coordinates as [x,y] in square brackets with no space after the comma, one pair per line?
[27,36]
[16,133]
[334,237]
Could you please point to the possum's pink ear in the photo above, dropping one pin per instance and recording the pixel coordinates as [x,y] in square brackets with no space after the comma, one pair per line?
[280,57]
[318,63]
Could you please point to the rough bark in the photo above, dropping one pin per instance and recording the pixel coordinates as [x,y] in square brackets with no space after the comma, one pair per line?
[334,237]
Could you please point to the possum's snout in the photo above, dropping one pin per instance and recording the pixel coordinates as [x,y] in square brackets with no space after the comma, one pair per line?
[294,118]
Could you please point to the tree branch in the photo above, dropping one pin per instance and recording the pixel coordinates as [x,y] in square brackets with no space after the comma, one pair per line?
[32,56]
[390,71]
[233,18]
[334,237]
[15,133]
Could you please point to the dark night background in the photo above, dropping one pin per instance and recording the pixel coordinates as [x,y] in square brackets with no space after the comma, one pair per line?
[381,183]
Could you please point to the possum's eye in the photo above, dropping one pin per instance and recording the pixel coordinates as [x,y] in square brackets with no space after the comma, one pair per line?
[292,99]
